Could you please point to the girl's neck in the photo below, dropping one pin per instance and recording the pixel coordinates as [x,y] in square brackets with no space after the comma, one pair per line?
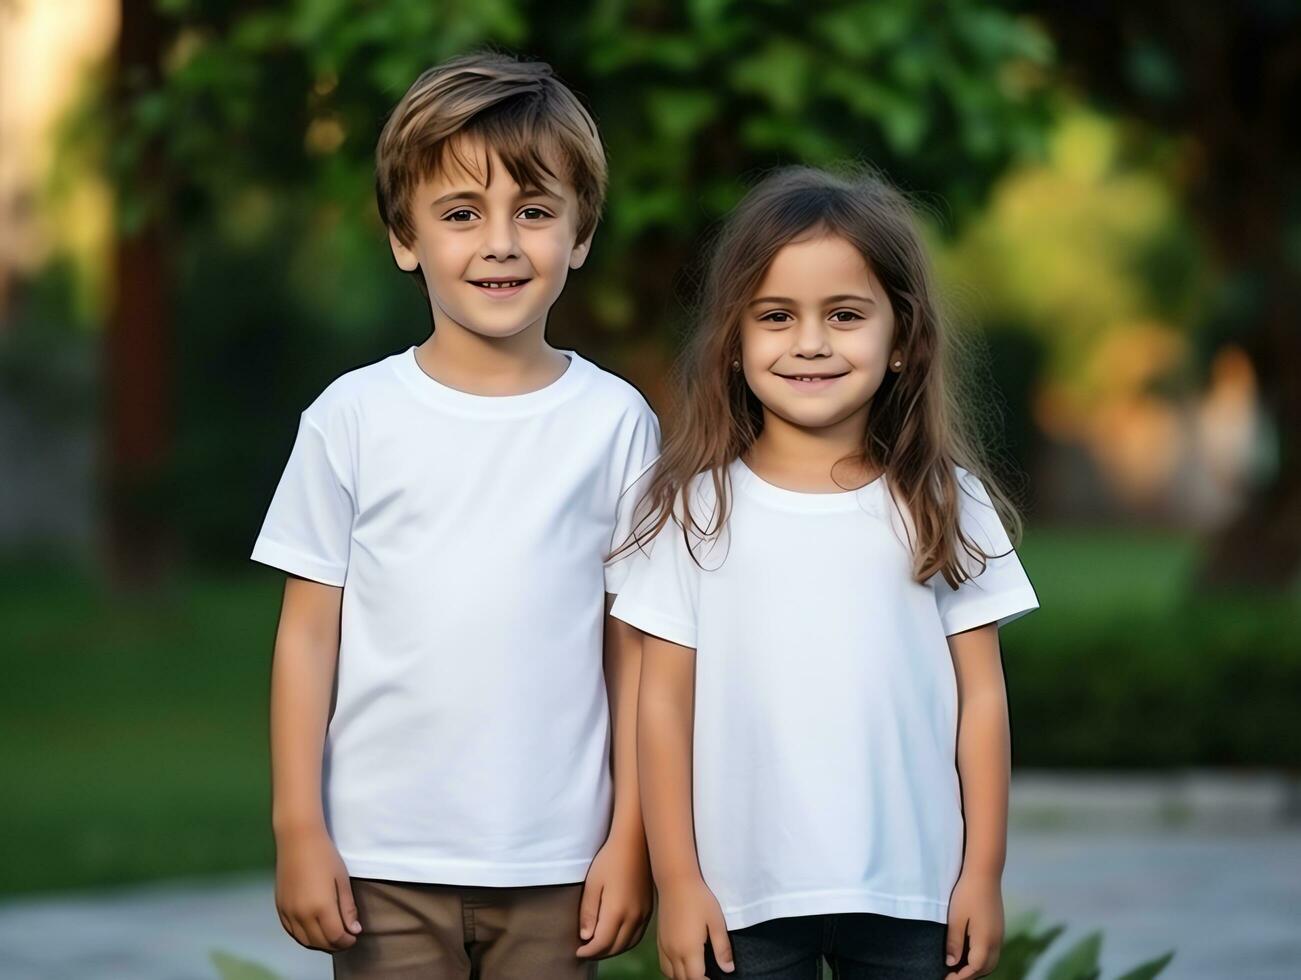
[813,460]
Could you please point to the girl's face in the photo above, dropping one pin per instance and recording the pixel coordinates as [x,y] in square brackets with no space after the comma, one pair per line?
[818,335]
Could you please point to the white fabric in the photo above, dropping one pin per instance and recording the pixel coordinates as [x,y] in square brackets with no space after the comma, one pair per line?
[470,741]
[825,776]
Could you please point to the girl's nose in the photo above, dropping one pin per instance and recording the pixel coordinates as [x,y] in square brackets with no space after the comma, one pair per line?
[810,337]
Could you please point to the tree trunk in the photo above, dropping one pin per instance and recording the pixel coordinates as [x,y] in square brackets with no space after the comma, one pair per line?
[137,348]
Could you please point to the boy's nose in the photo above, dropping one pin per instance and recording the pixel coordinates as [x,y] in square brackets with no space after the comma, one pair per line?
[500,241]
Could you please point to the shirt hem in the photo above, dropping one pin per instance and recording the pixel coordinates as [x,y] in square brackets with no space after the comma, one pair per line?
[467,872]
[1000,609]
[651,621]
[296,563]
[828,903]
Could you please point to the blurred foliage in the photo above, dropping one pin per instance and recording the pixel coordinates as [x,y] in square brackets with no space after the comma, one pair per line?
[265,119]
[1085,245]
[688,95]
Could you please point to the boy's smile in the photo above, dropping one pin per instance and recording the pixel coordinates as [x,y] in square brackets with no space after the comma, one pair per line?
[495,256]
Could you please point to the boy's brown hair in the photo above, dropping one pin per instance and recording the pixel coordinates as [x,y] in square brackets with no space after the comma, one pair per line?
[518,108]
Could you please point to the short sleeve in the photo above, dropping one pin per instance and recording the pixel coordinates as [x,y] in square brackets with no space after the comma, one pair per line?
[662,588]
[635,462]
[999,594]
[308,527]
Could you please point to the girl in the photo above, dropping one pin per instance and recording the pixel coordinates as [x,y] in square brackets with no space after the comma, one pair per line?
[820,578]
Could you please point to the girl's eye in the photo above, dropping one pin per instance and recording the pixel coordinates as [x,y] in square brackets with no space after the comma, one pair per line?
[772,317]
[453,216]
[536,212]
[845,316]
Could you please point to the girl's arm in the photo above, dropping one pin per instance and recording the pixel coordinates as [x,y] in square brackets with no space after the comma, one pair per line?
[689,913]
[313,891]
[617,898]
[984,756]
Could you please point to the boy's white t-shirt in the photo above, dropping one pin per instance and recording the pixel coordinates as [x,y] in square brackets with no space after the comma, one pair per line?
[824,773]
[469,741]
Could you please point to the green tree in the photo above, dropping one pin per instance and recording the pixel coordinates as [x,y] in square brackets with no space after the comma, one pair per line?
[692,98]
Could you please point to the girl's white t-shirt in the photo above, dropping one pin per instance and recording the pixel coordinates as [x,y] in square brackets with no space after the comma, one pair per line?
[826,703]
[469,740]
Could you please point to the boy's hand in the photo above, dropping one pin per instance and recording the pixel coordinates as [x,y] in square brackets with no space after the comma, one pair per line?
[314,893]
[617,898]
[976,912]
[690,915]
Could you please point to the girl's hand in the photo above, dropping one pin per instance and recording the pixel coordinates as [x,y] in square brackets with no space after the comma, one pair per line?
[976,912]
[314,892]
[617,898]
[690,914]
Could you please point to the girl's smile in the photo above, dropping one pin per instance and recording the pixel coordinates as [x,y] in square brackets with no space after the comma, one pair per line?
[811,382]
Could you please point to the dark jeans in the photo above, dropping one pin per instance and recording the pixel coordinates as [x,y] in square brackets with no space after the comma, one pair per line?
[857,945]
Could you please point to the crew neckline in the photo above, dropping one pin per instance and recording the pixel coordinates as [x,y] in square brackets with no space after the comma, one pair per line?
[805,500]
[444,396]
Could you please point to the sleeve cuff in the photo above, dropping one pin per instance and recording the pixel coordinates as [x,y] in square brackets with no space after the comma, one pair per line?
[654,622]
[1001,609]
[296,563]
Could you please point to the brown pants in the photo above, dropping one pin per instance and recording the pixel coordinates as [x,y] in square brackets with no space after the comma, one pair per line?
[453,932]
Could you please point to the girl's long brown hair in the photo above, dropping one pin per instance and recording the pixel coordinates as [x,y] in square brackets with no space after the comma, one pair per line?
[916,432]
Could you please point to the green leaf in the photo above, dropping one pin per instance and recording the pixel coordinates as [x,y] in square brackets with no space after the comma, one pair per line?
[230,968]
[780,73]
[676,114]
[1022,949]
[1080,961]
[1149,969]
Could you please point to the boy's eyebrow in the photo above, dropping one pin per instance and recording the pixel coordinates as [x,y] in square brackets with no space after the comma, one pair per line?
[460,195]
[838,298]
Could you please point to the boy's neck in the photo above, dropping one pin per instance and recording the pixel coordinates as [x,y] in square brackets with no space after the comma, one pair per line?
[479,365]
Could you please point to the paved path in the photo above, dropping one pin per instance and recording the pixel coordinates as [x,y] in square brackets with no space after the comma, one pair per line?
[1230,905]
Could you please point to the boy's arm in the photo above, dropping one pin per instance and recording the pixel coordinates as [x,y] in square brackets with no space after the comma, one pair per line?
[689,913]
[622,660]
[617,897]
[313,892]
[984,766]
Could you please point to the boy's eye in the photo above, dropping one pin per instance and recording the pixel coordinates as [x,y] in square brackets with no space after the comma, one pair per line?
[458,213]
[534,213]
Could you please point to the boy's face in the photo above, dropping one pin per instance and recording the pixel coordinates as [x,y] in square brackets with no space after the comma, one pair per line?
[817,337]
[469,236]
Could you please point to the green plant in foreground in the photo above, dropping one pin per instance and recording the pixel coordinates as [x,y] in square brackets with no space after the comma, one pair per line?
[1022,948]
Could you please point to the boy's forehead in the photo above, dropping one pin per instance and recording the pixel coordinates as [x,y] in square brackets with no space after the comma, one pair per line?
[471,163]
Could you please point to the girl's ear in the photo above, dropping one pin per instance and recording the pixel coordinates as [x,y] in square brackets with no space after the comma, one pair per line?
[578,254]
[403,256]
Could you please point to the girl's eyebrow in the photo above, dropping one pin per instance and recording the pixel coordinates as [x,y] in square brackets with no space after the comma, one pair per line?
[838,298]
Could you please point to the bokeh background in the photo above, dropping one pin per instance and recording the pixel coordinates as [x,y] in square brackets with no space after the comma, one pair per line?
[190,251]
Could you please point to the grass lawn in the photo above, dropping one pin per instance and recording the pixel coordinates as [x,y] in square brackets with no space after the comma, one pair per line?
[135,728]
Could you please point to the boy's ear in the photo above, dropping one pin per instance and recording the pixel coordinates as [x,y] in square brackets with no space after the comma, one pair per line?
[403,256]
[578,254]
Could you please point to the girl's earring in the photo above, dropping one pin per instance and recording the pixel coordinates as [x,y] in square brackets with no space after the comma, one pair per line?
[736,365]
[898,364]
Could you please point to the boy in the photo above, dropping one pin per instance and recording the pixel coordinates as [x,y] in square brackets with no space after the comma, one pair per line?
[444,806]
